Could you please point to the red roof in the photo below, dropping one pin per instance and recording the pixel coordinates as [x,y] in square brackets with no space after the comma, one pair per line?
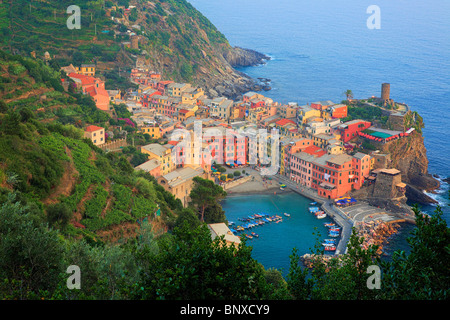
[93,128]
[183,111]
[85,80]
[283,122]
[314,151]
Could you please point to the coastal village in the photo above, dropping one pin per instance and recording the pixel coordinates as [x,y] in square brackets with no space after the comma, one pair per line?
[320,155]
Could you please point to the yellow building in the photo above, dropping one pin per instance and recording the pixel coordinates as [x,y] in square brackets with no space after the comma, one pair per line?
[176,89]
[191,95]
[306,112]
[96,134]
[180,182]
[153,130]
[162,154]
[86,69]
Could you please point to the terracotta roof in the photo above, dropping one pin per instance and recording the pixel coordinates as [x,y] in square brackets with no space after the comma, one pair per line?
[283,122]
[314,150]
[92,128]
[85,80]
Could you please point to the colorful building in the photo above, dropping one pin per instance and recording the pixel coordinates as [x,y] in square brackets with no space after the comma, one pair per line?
[350,129]
[95,134]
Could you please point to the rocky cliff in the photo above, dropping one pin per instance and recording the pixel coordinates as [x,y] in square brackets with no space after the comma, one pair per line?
[241,57]
[409,155]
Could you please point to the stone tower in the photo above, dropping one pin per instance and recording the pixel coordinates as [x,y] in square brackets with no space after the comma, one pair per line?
[385,91]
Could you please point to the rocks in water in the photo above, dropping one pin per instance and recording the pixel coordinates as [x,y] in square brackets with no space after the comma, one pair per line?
[240,57]
[415,195]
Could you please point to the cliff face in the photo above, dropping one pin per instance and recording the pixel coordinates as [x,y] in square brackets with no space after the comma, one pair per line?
[409,156]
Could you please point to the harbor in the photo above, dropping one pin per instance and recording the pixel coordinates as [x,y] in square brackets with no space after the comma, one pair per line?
[334,220]
[292,226]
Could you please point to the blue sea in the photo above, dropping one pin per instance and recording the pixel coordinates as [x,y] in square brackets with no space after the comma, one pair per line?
[321,48]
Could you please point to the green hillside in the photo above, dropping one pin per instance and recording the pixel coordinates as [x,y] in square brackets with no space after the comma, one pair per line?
[44,156]
[174,38]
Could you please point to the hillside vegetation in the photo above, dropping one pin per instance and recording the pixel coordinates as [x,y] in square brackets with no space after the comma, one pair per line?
[174,39]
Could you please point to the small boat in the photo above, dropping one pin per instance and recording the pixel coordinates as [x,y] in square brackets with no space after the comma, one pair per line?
[334,235]
[230,223]
[281,220]
[329,224]
[255,235]
[328,244]
[287,214]
[313,209]
[313,203]
[321,216]
[330,248]
[330,240]
[337,229]
[248,236]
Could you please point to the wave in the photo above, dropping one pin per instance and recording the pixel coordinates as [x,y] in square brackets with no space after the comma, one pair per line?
[441,194]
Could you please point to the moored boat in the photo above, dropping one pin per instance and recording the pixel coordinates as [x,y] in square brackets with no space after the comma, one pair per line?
[321,216]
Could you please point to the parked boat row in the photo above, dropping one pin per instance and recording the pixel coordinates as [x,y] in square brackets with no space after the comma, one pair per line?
[253,221]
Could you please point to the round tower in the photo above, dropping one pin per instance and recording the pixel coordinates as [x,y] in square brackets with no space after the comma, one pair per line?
[385,91]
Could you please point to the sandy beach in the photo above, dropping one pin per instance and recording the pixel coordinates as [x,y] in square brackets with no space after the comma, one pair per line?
[258,185]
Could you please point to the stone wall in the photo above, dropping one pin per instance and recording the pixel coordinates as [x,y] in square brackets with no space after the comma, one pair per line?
[113,145]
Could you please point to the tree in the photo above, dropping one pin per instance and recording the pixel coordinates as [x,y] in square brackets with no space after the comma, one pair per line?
[424,273]
[189,217]
[348,94]
[59,215]
[237,173]
[192,266]
[205,193]
[30,254]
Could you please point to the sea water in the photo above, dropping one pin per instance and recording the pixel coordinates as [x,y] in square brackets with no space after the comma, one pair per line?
[301,230]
